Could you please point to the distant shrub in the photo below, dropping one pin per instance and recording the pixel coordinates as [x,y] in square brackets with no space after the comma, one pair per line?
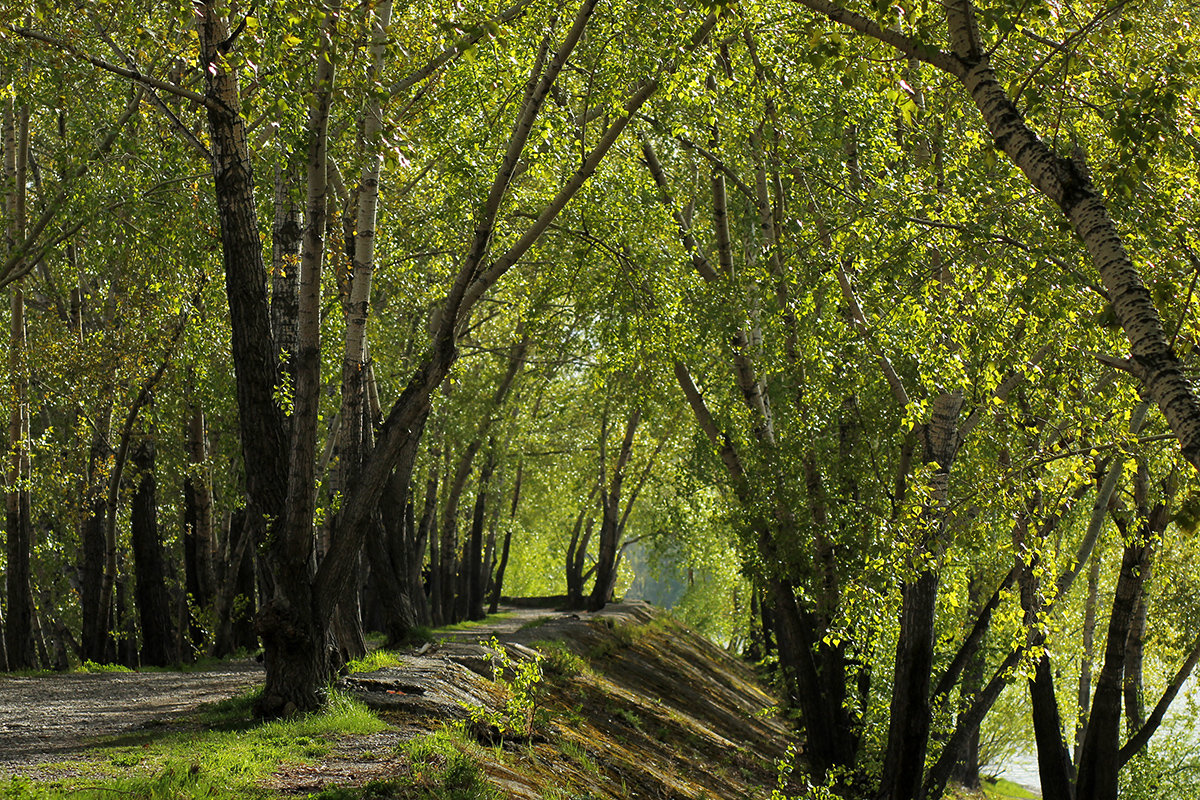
[92,666]
[376,659]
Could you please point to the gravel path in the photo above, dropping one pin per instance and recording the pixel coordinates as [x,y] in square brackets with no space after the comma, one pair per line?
[47,718]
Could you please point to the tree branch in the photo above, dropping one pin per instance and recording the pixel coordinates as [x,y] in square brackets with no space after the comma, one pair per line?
[132,74]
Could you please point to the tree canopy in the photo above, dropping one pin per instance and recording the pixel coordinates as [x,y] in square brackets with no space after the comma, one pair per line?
[862,331]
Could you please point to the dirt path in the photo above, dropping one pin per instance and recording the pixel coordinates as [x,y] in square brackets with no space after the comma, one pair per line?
[47,718]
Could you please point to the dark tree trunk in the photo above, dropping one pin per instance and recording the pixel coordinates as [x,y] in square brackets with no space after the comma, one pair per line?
[449,546]
[395,609]
[581,536]
[612,520]
[967,769]
[1089,642]
[424,538]
[1054,760]
[1098,761]
[910,708]
[153,601]
[755,650]
[18,633]
[807,664]
[199,549]
[501,567]
[3,647]
[96,621]
[244,631]
[474,556]
[498,583]
[125,645]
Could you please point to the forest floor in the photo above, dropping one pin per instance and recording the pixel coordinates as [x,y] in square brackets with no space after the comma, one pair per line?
[631,704]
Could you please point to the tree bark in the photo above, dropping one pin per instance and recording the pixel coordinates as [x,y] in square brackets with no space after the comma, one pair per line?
[1089,646]
[198,540]
[1098,760]
[151,596]
[18,632]
[610,513]
[288,621]
[498,582]
[474,557]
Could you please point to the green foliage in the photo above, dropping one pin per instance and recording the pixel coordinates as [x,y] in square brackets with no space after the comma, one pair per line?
[520,681]
[93,667]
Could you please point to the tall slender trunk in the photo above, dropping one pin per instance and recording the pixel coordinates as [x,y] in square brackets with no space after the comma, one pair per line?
[151,596]
[911,710]
[1098,761]
[19,529]
[301,656]
[18,632]
[424,537]
[474,556]
[1089,646]
[498,583]
[611,518]
[286,235]
[200,550]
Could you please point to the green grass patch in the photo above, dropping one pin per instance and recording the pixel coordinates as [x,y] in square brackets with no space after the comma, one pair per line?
[212,764]
[444,766]
[560,660]
[376,659]
[92,666]
[1006,790]
[471,624]
[536,623]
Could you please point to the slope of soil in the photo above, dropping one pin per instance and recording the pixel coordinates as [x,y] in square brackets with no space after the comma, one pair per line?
[658,711]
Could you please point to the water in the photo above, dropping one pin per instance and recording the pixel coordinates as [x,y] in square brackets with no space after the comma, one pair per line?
[1022,768]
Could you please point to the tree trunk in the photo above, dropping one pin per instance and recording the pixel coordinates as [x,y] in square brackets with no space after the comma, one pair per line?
[125,651]
[910,720]
[299,652]
[498,583]
[967,770]
[416,561]
[1089,647]
[19,529]
[96,618]
[474,557]
[1098,762]
[449,546]
[286,235]
[199,544]
[151,596]
[611,517]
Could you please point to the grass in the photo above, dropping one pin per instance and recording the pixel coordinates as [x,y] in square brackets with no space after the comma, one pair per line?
[444,765]
[226,762]
[376,659]
[560,660]
[471,624]
[1006,790]
[93,667]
